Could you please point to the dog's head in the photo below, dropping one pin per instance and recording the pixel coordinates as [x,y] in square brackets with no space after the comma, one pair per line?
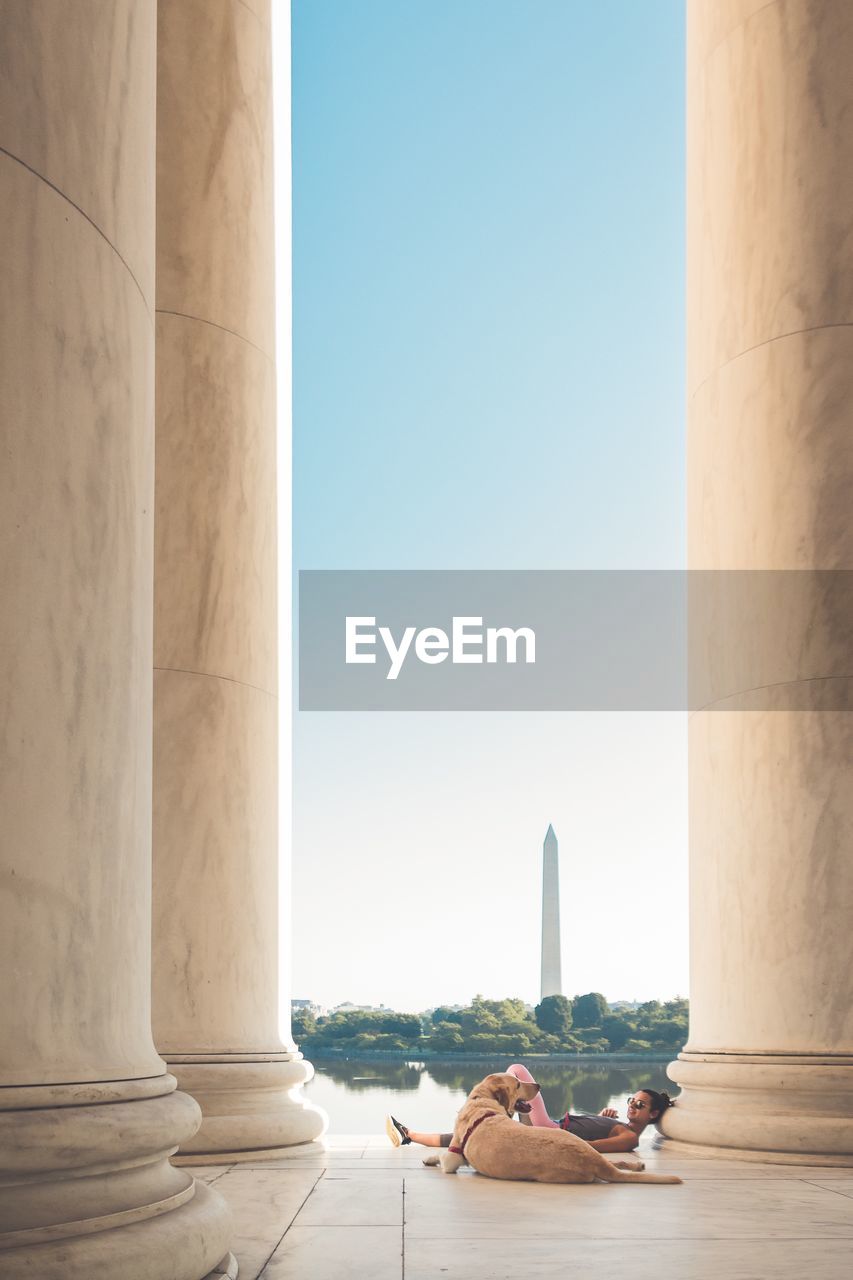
[509,1093]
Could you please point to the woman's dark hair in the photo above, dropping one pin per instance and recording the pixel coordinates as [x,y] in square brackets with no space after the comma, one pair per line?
[660,1101]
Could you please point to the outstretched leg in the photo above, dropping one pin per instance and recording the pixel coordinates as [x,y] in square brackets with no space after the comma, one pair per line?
[401,1135]
[539,1117]
[431,1139]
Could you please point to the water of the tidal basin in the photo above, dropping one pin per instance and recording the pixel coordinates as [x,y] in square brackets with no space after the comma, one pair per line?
[356,1095]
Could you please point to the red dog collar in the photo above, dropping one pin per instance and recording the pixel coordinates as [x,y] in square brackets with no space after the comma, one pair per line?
[460,1150]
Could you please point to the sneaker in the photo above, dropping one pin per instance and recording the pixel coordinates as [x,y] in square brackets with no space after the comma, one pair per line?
[398,1133]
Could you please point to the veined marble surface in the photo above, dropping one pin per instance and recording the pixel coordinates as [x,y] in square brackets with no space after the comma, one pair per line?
[769,183]
[353,1207]
[215,527]
[215,166]
[77,107]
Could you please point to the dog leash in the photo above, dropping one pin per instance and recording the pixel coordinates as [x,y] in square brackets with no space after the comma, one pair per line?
[460,1150]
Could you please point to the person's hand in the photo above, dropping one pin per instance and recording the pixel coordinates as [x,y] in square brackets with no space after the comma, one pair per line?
[609,1112]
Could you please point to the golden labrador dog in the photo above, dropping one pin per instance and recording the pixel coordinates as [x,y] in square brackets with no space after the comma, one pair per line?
[487,1137]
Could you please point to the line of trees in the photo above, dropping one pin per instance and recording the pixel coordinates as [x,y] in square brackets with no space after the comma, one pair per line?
[585,1024]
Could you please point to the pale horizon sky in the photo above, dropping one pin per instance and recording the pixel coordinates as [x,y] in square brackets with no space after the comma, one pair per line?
[488,352]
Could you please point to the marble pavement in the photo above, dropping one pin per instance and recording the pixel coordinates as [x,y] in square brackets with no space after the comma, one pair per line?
[353,1208]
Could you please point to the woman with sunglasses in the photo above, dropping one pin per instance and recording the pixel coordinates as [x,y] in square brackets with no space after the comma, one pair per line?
[606,1132]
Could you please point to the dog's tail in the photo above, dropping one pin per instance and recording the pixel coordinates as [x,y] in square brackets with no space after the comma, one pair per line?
[612,1174]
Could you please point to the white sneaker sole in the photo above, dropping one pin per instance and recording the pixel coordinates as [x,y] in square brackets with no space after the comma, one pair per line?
[391,1130]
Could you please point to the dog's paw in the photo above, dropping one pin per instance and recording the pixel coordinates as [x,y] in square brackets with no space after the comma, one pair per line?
[633,1166]
[432,1162]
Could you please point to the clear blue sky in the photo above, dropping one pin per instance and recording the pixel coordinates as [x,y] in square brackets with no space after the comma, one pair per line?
[488,363]
[488,283]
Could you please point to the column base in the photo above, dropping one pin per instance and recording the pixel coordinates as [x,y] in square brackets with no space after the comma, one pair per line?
[250,1154]
[87,1189]
[228,1267]
[776,1108]
[824,1161]
[251,1106]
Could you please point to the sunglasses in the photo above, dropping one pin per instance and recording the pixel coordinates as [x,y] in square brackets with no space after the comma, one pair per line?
[637,1104]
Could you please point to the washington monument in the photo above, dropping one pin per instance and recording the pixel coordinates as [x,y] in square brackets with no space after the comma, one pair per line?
[552,981]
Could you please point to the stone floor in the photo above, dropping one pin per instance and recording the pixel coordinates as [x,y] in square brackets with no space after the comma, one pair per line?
[355,1209]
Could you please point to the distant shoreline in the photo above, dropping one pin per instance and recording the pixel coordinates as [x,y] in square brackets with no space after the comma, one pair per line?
[462,1059]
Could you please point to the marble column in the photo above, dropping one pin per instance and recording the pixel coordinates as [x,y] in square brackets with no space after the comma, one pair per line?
[768,1068]
[216,957]
[88,1112]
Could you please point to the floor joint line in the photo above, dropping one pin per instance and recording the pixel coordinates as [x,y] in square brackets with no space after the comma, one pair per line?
[277,1244]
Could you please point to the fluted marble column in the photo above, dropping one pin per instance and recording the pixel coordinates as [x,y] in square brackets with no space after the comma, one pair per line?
[88,1112]
[768,1068]
[215,718]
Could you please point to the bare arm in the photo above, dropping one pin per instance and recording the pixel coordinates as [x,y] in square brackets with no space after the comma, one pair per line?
[623,1140]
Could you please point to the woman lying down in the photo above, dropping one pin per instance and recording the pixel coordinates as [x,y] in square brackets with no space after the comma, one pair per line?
[605,1132]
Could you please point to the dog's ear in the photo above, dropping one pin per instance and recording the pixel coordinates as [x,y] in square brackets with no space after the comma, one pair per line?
[501,1096]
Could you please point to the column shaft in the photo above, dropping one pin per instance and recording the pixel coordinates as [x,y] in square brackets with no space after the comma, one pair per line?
[768,1068]
[88,1113]
[215,684]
